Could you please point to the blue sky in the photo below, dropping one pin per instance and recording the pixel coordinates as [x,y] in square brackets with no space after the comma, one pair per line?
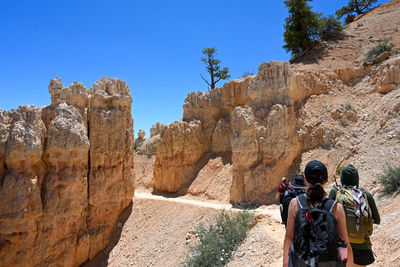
[155,46]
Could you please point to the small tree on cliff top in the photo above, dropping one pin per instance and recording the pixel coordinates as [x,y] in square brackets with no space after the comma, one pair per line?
[355,6]
[213,67]
[301,27]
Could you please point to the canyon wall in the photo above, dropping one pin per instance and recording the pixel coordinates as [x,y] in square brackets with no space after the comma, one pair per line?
[66,174]
[255,122]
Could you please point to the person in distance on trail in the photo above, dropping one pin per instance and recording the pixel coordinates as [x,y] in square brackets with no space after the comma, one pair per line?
[283,187]
[361,213]
[330,244]
[298,187]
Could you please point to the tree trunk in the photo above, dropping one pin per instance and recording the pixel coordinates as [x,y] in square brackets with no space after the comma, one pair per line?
[212,76]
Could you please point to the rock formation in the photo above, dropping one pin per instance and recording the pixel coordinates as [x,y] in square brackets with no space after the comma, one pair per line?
[139,141]
[145,157]
[182,146]
[66,174]
[156,129]
[256,122]
[149,145]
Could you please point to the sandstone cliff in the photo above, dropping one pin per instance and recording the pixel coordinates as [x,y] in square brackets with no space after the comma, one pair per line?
[262,123]
[252,121]
[66,174]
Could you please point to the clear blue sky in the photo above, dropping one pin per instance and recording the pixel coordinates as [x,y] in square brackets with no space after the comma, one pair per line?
[155,46]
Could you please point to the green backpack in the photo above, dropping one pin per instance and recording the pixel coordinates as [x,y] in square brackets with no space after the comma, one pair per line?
[359,228]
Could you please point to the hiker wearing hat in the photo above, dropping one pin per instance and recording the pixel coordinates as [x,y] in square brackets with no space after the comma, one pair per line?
[361,212]
[316,233]
[298,187]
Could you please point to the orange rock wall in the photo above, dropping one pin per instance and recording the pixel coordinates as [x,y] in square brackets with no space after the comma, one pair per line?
[66,174]
[255,120]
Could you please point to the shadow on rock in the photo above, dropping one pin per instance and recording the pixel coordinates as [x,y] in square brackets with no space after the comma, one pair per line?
[101,259]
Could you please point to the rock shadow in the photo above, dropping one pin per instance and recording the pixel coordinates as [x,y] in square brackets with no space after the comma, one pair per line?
[199,165]
[101,259]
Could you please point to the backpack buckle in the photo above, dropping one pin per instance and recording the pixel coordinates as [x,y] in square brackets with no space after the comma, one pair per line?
[308,217]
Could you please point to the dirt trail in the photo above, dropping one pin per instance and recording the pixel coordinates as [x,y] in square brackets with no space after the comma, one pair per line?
[272,210]
[159,232]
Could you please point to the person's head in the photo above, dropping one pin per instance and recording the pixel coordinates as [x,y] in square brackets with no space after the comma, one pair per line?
[349,175]
[298,183]
[316,175]
[316,172]
[284,180]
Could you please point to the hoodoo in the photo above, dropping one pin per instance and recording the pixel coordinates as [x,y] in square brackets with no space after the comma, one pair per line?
[66,174]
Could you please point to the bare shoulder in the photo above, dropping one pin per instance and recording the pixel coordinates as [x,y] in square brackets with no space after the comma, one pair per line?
[294,205]
[338,210]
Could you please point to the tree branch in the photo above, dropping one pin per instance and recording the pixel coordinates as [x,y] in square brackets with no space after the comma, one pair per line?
[205,80]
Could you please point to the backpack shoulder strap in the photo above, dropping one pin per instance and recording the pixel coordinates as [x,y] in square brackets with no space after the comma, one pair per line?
[302,200]
[329,205]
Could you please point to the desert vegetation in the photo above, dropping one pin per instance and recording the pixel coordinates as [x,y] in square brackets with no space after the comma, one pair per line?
[219,240]
[355,6]
[377,51]
[390,178]
[213,67]
[303,27]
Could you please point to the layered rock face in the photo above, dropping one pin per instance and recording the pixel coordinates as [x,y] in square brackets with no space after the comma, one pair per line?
[255,122]
[251,120]
[66,174]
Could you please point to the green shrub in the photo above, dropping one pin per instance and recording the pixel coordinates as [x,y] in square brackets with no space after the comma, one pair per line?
[374,53]
[348,106]
[137,145]
[390,178]
[247,73]
[218,241]
[331,28]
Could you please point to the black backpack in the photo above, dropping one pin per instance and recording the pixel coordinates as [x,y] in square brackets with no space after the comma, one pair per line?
[285,204]
[315,239]
[282,193]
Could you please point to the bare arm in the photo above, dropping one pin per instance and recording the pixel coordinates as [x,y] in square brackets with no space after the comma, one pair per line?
[293,208]
[374,209]
[338,212]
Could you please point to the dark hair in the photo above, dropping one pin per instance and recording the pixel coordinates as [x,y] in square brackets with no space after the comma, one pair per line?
[315,195]
[316,174]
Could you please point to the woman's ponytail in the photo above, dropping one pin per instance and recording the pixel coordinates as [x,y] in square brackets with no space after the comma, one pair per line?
[315,195]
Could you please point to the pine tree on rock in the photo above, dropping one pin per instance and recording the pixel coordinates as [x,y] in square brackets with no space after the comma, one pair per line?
[355,6]
[301,27]
[213,67]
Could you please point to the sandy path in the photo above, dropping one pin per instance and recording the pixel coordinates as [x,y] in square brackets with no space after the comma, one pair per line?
[272,211]
[155,233]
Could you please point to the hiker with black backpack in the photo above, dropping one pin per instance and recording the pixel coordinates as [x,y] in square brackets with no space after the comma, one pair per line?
[361,212]
[283,187]
[316,233]
[298,187]
[280,192]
